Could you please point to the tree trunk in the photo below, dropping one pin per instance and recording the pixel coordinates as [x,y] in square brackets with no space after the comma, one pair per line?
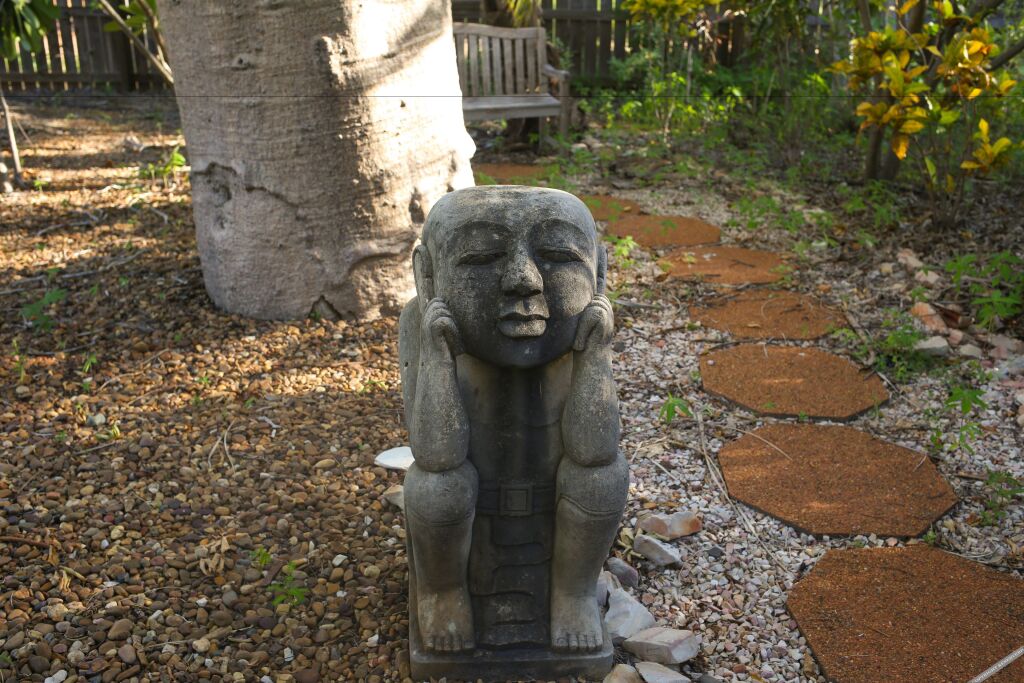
[320,133]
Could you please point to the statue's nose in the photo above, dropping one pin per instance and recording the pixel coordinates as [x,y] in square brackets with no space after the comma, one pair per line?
[522,277]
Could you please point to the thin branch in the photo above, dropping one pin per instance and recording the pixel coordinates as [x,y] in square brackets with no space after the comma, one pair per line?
[158,63]
[1006,55]
[154,24]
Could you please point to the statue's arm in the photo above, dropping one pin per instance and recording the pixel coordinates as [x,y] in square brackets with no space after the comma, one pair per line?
[590,423]
[437,421]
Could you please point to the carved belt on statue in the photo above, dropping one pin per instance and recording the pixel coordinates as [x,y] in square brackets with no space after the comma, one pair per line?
[514,499]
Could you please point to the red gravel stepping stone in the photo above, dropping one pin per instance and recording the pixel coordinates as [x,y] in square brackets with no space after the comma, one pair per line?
[725,265]
[768,314]
[608,208]
[510,174]
[836,481]
[663,231]
[909,615]
[791,381]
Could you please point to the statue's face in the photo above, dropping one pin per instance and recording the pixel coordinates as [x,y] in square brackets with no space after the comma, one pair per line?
[516,267]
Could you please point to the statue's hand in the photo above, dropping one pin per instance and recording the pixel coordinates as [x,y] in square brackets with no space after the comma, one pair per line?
[597,325]
[439,332]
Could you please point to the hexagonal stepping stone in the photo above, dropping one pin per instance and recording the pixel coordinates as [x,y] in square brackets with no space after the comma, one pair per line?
[836,481]
[510,174]
[725,265]
[607,208]
[662,231]
[768,314]
[909,615]
[791,381]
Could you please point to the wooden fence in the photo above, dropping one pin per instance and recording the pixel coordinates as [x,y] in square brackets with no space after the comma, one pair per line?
[593,31]
[80,54]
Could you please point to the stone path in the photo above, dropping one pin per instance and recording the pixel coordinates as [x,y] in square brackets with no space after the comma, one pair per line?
[897,614]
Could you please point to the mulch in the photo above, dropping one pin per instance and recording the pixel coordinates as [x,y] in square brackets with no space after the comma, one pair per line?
[607,208]
[835,480]
[909,615]
[768,314]
[791,381]
[725,265]
[664,231]
[146,484]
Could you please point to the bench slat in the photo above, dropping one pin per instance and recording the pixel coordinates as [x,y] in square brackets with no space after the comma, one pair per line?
[494,47]
[509,107]
[460,57]
[520,67]
[531,64]
[485,66]
[474,67]
[508,59]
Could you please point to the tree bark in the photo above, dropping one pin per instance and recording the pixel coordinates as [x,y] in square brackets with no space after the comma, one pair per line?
[320,133]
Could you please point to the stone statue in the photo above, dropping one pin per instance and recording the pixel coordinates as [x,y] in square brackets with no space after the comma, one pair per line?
[518,485]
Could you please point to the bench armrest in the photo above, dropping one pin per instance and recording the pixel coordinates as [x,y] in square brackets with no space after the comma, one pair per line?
[557,74]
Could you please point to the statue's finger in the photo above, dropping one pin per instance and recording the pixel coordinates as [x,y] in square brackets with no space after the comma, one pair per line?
[586,326]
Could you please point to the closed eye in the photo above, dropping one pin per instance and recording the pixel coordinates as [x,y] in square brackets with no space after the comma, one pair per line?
[481,258]
[559,255]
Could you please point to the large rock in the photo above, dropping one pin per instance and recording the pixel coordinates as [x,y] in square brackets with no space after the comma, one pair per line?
[626,574]
[929,317]
[658,552]
[625,616]
[664,645]
[658,673]
[683,523]
[623,673]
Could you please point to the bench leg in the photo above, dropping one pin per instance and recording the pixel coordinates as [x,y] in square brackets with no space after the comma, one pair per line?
[542,129]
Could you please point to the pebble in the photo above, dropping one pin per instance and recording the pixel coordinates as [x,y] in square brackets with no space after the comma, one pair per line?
[623,571]
[623,673]
[658,552]
[120,630]
[201,645]
[58,677]
[325,464]
[970,351]
[933,346]
[395,459]
[395,494]
[38,664]
[127,654]
[673,526]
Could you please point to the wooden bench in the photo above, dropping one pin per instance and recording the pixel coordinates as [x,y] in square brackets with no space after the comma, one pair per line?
[504,74]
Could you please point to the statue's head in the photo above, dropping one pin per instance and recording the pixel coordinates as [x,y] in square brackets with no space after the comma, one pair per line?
[516,267]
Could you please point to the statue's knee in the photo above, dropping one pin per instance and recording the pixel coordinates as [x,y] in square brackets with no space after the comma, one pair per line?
[441,498]
[601,489]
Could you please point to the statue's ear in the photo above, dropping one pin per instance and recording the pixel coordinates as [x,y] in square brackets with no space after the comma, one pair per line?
[602,267]
[423,271]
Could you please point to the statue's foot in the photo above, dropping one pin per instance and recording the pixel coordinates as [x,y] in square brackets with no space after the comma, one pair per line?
[446,620]
[575,623]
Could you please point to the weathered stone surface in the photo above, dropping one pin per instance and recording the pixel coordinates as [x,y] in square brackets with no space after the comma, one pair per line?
[929,317]
[664,645]
[505,356]
[652,672]
[658,552]
[625,616]
[623,673]
[675,525]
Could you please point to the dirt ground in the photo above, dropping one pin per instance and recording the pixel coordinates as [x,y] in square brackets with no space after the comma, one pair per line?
[190,495]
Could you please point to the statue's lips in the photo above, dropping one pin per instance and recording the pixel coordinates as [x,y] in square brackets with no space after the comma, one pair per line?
[518,325]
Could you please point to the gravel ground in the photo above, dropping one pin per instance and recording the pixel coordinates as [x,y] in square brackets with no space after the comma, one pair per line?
[199,502]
